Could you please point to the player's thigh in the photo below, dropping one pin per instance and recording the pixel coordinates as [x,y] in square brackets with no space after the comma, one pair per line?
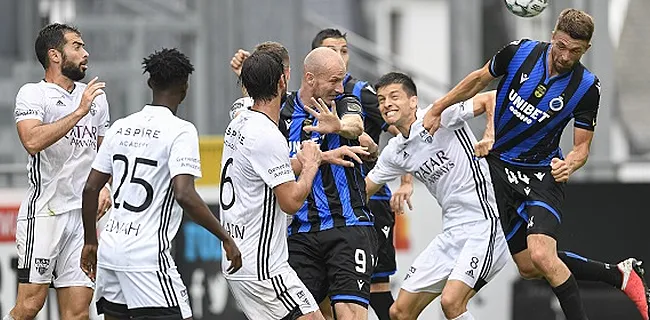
[432,267]
[509,202]
[68,273]
[385,265]
[38,241]
[457,293]
[306,259]
[349,260]
[483,254]
[412,303]
[350,310]
[281,297]
[155,293]
[74,301]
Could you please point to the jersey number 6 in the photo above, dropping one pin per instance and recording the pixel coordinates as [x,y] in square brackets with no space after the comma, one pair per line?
[146,185]
[225,179]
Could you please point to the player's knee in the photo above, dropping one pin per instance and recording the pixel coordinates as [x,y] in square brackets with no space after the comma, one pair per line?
[76,314]
[452,305]
[28,308]
[542,260]
[399,313]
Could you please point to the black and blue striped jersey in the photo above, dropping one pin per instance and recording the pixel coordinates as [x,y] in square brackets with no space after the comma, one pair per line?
[373,122]
[338,196]
[533,108]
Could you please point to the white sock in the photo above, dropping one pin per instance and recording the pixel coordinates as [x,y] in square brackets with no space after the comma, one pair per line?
[8,317]
[464,316]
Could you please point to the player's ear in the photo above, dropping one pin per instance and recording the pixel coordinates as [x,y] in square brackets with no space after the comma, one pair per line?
[282,84]
[149,83]
[413,102]
[310,78]
[54,55]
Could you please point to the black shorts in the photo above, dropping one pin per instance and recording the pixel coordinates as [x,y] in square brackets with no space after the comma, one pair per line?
[336,262]
[529,201]
[384,225]
[121,311]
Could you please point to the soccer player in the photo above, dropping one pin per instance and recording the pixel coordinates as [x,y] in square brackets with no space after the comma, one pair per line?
[379,204]
[331,239]
[472,248]
[543,86]
[258,187]
[154,157]
[61,122]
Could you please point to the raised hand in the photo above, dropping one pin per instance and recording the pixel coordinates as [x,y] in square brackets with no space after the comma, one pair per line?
[93,89]
[238,60]
[328,120]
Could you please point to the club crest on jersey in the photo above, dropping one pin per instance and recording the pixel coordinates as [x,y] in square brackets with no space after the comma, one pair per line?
[556,104]
[428,138]
[93,109]
[540,91]
[41,265]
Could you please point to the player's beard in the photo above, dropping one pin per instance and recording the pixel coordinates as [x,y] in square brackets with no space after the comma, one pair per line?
[72,71]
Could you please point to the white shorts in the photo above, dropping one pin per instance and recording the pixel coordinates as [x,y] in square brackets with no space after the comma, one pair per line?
[472,253]
[273,299]
[49,250]
[142,293]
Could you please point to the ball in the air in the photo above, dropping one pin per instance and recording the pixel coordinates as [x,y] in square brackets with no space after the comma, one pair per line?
[526,8]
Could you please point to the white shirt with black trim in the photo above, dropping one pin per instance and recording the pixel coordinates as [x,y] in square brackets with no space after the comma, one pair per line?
[255,160]
[143,152]
[58,173]
[446,164]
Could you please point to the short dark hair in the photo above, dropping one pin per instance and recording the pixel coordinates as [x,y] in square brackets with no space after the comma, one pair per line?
[167,68]
[275,47]
[51,36]
[260,75]
[325,34]
[398,78]
[577,24]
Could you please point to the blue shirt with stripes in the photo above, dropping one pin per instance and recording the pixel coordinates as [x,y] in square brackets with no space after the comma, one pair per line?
[338,193]
[373,122]
[533,108]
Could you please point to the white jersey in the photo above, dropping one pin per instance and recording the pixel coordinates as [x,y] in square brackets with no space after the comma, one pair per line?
[58,173]
[446,164]
[255,160]
[143,152]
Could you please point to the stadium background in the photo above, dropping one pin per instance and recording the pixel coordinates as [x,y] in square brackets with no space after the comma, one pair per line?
[436,41]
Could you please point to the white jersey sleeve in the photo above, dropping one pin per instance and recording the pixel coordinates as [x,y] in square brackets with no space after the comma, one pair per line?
[104,159]
[386,170]
[184,157]
[271,159]
[454,116]
[104,114]
[29,103]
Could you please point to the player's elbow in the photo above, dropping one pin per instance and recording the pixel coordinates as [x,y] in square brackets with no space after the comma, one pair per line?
[289,206]
[32,146]
[91,190]
[183,197]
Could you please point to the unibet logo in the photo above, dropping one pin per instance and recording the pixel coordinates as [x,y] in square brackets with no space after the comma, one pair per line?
[525,111]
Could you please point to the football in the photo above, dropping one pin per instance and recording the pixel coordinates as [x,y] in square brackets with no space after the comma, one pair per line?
[526,8]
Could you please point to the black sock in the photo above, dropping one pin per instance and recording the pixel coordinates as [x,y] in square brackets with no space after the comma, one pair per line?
[569,296]
[591,270]
[381,302]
